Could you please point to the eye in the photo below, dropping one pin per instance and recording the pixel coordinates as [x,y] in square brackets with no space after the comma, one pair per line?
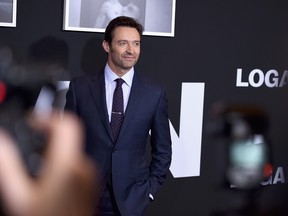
[137,43]
[122,43]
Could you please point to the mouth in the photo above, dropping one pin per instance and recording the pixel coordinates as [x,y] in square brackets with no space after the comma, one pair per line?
[129,58]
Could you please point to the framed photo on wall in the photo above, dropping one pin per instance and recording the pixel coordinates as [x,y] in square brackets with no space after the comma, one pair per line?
[157,16]
[8,13]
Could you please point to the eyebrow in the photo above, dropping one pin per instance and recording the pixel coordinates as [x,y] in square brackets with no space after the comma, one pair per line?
[129,41]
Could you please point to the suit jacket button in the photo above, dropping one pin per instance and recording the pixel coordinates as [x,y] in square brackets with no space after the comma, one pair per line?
[114,150]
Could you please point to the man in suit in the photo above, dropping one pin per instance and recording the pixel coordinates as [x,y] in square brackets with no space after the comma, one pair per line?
[131,177]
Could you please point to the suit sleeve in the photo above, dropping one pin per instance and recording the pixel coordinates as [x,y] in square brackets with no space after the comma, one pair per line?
[160,145]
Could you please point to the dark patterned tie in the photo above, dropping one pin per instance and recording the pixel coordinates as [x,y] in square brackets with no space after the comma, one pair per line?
[117,114]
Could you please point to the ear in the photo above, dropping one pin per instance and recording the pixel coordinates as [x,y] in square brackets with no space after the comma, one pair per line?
[106,46]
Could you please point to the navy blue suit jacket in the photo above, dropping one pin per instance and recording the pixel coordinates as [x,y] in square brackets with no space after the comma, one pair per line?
[135,174]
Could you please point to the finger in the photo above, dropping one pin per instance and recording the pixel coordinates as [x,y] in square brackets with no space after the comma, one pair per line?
[64,149]
[65,134]
[67,174]
[66,139]
[15,184]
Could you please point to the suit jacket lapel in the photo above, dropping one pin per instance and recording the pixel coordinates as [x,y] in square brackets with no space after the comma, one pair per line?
[135,96]
[97,87]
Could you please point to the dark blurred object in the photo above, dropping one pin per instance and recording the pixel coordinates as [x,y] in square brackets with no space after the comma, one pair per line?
[31,86]
[243,129]
[19,93]
[19,97]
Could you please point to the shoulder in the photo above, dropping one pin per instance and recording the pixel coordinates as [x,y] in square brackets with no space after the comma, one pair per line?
[148,82]
[86,78]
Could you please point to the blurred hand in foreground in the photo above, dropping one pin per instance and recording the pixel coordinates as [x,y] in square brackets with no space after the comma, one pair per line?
[66,185]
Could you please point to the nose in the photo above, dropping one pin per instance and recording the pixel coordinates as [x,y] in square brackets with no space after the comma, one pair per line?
[130,48]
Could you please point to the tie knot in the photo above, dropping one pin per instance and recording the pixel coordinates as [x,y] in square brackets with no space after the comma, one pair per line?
[119,82]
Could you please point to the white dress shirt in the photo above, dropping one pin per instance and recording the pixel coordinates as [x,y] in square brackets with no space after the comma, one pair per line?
[110,86]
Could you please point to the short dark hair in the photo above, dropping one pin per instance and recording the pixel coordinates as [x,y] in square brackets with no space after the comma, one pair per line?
[121,21]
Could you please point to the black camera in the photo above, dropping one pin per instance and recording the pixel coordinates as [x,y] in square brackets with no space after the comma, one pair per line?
[24,92]
[244,129]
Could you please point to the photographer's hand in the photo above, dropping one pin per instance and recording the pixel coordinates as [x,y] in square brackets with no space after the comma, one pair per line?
[66,185]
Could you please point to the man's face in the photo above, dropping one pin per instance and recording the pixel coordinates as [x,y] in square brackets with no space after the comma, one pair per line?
[124,50]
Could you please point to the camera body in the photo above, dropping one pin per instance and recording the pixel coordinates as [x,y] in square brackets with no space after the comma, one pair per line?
[243,128]
[19,98]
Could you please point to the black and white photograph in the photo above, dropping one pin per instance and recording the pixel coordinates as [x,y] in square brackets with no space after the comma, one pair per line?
[8,13]
[157,17]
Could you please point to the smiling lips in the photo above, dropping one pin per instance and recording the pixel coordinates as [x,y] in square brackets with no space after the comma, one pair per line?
[129,57]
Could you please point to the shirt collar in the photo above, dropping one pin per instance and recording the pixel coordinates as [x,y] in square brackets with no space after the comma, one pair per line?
[110,76]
